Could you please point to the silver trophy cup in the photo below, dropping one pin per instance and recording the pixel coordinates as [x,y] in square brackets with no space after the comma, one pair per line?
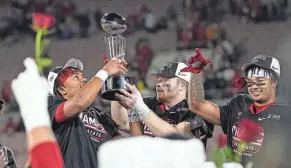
[115,44]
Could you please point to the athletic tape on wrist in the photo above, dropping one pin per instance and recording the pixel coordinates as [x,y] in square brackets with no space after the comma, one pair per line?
[142,110]
[102,74]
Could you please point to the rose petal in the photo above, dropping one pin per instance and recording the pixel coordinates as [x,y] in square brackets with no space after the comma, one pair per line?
[43,21]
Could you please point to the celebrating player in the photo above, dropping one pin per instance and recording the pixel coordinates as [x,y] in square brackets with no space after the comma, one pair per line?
[79,127]
[261,78]
[170,105]
[31,92]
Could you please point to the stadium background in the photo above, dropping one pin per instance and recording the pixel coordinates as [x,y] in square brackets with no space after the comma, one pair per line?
[270,38]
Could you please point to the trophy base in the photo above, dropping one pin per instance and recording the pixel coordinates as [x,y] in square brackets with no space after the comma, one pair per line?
[112,85]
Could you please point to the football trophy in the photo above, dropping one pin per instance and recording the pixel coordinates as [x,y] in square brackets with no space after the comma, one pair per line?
[115,44]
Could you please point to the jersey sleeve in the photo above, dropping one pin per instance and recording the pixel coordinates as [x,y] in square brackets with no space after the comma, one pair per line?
[53,106]
[46,154]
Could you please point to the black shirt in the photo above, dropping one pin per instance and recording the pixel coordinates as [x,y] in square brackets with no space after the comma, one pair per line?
[99,125]
[177,114]
[79,137]
[240,108]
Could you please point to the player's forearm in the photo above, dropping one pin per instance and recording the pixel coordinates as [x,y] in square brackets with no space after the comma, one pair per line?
[158,126]
[119,115]
[135,129]
[39,135]
[197,103]
[84,97]
[210,112]
[195,91]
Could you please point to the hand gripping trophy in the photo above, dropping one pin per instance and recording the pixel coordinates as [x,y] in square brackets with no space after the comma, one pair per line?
[115,44]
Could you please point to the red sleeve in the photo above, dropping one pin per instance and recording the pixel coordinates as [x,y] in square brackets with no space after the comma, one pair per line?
[46,155]
[60,113]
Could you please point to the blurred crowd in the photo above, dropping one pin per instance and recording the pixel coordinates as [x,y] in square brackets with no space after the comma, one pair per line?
[197,23]
[259,10]
[70,20]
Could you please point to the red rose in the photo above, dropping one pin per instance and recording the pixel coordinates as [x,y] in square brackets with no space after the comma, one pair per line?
[249,130]
[222,140]
[43,21]
[240,82]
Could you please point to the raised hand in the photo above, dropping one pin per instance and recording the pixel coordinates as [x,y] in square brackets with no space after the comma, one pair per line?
[114,66]
[127,99]
[31,92]
[196,63]
[134,102]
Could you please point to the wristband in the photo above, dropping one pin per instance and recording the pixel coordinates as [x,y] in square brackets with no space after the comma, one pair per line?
[102,74]
[133,116]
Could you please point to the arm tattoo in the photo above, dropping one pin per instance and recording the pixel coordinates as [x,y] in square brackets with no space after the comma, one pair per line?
[196,89]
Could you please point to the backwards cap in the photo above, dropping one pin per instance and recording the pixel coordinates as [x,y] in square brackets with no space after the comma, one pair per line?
[54,74]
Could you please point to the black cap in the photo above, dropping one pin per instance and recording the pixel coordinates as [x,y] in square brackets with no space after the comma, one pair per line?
[53,75]
[265,62]
[172,70]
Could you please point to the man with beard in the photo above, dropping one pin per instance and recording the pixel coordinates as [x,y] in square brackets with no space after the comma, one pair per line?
[78,126]
[169,109]
[261,77]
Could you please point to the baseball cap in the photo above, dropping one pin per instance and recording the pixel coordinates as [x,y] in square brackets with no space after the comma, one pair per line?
[265,62]
[172,70]
[53,74]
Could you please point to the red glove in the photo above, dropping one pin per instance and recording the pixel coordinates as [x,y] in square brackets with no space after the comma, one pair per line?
[196,62]
[105,59]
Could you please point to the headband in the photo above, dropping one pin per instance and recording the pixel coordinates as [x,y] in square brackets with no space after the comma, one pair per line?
[258,72]
[68,72]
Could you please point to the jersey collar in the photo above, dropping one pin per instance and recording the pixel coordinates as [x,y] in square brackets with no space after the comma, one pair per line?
[258,109]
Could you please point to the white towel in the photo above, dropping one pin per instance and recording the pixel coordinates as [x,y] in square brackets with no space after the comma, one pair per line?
[148,152]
